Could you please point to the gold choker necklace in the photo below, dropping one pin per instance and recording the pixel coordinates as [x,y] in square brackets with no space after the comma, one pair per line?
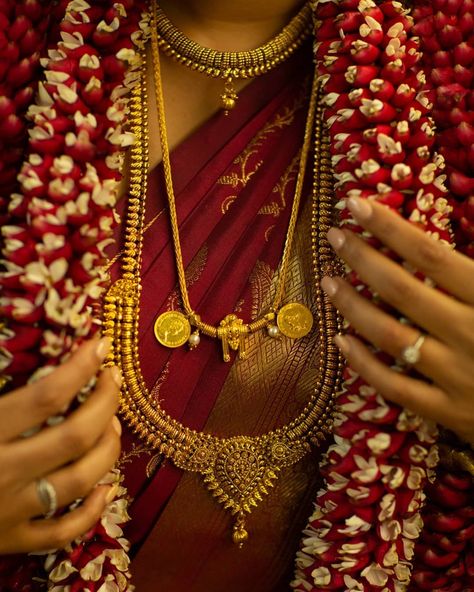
[232,65]
[173,329]
[239,470]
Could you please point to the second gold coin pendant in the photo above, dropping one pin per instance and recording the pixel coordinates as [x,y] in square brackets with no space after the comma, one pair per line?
[295,320]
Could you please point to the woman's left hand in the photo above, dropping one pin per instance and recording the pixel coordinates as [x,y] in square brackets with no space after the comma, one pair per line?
[446,356]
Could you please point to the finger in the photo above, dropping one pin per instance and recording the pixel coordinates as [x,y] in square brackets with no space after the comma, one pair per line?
[445,266]
[437,362]
[446,318]
[416,395]
[56,533]
[31,405]
[76,480]
[55,446]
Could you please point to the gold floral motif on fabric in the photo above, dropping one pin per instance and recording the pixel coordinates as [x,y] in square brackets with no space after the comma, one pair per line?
[275,208]
[248,165]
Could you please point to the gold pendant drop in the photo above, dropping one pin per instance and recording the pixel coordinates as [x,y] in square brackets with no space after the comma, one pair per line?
[229,96]
[295,320]
[232,332]
[239,534]
[172,329]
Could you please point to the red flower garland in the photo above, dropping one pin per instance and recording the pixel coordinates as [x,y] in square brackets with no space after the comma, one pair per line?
[59,224]
[446,30]
[367,519]
[444,557]
[23,27]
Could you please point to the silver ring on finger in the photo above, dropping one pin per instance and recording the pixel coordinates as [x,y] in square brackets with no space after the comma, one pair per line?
[411,354]
[47,496]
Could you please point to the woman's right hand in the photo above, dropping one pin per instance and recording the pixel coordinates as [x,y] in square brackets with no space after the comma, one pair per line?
[73,455]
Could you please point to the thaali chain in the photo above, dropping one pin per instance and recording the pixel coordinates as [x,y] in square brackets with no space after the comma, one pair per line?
[172,328]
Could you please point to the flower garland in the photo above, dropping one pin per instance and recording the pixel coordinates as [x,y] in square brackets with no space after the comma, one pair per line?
[23,29]
[446,31]
[362,534]
[59,223]
[444,557]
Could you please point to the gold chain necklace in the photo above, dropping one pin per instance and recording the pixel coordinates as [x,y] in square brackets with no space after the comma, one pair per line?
[237,470]
[173,328]
[229,65]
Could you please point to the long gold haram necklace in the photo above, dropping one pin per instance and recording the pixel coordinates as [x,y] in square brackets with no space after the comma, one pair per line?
[173,328]
[237,470]
[230,65]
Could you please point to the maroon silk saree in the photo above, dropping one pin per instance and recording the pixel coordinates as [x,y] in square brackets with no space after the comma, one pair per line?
[234,184]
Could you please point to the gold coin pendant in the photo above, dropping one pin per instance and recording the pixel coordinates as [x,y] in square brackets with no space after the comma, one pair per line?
[172,329]
[295,320]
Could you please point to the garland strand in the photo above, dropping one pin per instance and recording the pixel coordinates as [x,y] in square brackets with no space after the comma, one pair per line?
[444,557]
[60,222]
[362,534]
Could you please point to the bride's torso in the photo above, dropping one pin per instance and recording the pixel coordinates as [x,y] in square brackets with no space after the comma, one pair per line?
[190,546]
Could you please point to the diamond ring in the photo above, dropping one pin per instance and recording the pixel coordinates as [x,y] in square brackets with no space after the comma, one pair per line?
[411,354]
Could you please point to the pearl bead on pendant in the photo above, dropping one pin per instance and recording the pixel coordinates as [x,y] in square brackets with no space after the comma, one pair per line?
[273,331]
[194,340]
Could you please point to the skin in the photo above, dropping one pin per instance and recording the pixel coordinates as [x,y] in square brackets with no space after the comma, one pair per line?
[74,455]
[447,319]
[223,25]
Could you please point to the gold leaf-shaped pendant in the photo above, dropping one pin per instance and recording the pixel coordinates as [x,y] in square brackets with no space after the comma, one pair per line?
[240,475]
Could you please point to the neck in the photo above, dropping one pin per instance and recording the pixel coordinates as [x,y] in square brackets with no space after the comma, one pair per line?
[228,25]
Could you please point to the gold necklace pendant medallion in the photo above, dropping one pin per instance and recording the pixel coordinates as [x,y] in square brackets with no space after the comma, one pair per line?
[172,329]
[295,320]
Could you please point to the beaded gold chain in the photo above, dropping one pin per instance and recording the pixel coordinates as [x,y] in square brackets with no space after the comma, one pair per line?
[174,328]
[237,470]
[233,65]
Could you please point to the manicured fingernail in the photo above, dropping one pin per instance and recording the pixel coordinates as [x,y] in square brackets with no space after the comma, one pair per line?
[112,493]
[117,376]
[336,238]
[329,286]
[103,347]
[361,208]
[117,425]
[342,343]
